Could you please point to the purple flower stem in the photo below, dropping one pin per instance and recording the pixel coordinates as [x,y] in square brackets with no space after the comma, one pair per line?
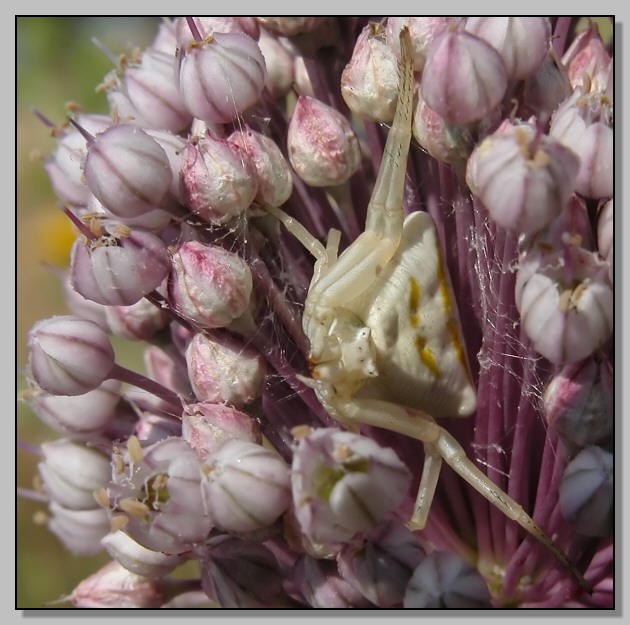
[150,386]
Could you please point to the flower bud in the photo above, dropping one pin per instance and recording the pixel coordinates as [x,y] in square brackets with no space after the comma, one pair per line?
[538,170]
[587,493]
[442,141]
[566,306]
[246,487]
[323,587]
[71,472]
[544,90]
[208,284]
[275,183]
[81,307]
[138,322]
[323,149]
[69,355]
[208,25]
[154,220]
[221,76]
[579,402]
[118,268]
[423,30]
[279,64]
[80,531]
[137,559]
[173,146]
[344,483]
[218,180]
[151,88]
[222,370]
[381,568]
[242,574]
[522,42]
[127,171]
[303,85]
[445,580]
[167,366]
[583,123]
[78,416]
[151,428]
[206,426]
[369,82]
[112,586]
[65,166]
[464,77]
[587,61]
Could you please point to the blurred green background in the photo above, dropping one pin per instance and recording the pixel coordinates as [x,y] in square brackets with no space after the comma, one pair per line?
[56,62]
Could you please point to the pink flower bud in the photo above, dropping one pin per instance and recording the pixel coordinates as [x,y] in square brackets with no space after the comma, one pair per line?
[137,559]
[223,370]
[344,483]
[208,284]
[209,25]
[151,88]
[587,493]
[369,82]
[221,76]
[78,415]
[275,182]
[423,31]
[69,355]
[138,322]
[579,402]
[127,171]
[290,26]
[464,77]
[71,472]
[446,580]
[442,141]
[522,42]
[206,426]
[65,166]
[153,220]
[584,124]
[538,171]
[173,146]
[167,366]
[279,63]
[218,180]
[112,586]
[119,268]
[246,486]
[80,531]
[587,61]
[566,306]
[323,149]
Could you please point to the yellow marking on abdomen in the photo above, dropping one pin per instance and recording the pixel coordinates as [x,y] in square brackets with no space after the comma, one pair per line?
[427,357]
[414,301]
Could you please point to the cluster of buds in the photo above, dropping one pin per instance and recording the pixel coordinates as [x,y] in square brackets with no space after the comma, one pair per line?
[219,453]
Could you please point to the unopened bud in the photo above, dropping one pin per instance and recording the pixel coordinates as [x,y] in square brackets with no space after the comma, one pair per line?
[323,148]
[69,355]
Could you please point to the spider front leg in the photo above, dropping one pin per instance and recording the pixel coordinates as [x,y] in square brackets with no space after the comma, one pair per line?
[441,446]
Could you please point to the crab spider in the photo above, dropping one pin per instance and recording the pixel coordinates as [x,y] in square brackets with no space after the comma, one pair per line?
[384,333]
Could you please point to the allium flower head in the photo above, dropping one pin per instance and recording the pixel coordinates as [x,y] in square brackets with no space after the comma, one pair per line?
[365,270]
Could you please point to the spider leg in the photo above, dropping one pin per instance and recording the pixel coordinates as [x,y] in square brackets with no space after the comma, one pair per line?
[428,484]
[421,426]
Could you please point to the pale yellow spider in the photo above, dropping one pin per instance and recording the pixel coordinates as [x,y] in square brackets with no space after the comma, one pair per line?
[385,336]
